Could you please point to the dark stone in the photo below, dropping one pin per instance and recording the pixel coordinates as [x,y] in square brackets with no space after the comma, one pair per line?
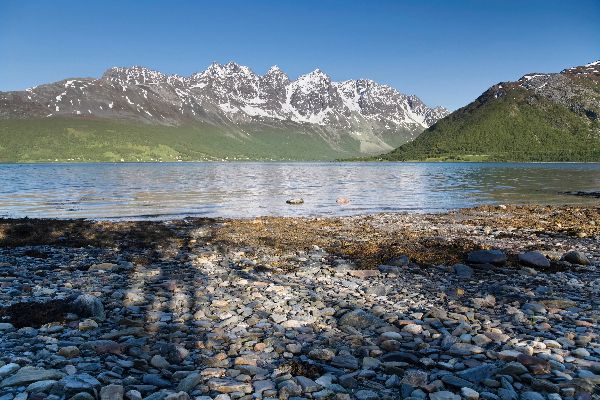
[575,257]
[478,374]
[534,259]
[400,356]
[495,257]
[456,382]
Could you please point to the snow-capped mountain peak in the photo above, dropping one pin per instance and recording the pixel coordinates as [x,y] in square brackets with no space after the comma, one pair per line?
[233,95]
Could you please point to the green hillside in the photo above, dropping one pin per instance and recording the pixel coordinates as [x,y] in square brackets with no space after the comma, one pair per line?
[80,140]
[518,126]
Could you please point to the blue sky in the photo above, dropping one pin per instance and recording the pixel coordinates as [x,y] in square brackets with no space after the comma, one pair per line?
[446,52]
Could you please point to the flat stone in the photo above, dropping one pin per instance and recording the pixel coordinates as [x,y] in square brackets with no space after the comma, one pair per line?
[366,395]
[40,386]
[479,373]
[27,375]
[413,329]
[307,384]
[9,369]
[456,382]
[464,349]
[73,384]
[512,368]
[229,386]
[348,361]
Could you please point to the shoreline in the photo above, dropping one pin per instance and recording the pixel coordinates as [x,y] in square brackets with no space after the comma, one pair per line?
[383,306]
[295,161]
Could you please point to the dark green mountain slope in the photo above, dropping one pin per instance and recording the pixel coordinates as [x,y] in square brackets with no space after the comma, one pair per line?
[541,117]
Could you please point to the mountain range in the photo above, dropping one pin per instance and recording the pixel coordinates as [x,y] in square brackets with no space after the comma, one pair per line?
[224,112]
[539,117]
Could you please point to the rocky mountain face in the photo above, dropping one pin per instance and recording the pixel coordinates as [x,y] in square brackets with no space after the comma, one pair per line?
[539,117]
[231,96]
[575,88]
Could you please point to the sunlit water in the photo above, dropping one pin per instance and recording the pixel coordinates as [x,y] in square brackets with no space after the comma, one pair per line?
[173,190]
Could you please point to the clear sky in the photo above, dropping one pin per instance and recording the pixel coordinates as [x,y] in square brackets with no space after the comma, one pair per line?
[446,52]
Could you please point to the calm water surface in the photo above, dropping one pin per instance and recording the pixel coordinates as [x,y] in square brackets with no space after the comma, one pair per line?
[172,190]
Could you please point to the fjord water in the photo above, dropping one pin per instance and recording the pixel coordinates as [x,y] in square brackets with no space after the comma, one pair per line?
[174,190]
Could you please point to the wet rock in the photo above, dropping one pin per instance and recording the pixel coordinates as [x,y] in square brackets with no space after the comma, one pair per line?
[295,201]
[342,200]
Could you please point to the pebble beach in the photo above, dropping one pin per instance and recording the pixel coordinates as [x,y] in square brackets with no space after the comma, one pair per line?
[494,302]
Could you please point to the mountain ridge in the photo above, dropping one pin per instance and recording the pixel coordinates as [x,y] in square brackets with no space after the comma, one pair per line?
[370,117]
